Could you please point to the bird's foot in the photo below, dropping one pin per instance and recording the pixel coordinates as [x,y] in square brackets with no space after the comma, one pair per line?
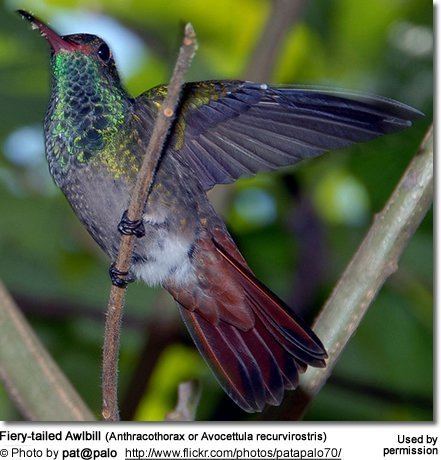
[119,278]
[131,227]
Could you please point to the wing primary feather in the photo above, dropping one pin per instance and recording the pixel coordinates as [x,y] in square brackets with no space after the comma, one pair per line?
[221,164]
[330,95]
[204,174]
[262,147]
[323,120]
[222,154]
[294,148]
[297,122]
[247,153]
[217,167]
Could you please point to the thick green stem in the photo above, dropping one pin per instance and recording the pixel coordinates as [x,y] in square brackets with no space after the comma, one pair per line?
[375,260]
[32,379]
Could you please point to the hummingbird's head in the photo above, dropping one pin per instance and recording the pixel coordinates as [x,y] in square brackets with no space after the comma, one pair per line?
[88,105]
[81,56]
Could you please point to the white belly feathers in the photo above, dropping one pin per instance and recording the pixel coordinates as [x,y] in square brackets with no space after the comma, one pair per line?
[167,258]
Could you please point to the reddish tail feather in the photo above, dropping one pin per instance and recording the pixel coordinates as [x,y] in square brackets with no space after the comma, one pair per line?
[255,366]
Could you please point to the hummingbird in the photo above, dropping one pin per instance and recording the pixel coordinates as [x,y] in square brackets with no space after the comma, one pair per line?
[96,136]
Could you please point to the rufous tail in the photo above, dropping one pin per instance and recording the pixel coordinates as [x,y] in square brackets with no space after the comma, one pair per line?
[254,365]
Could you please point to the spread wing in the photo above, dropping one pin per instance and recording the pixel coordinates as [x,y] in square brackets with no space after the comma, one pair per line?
[229,129]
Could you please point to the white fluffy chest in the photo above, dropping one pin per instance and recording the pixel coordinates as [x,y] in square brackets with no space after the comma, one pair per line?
[166,259]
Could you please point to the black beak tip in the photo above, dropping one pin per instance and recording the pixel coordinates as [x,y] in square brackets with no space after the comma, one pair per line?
[26,15]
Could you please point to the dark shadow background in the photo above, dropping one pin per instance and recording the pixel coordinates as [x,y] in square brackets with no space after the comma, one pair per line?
[297,228]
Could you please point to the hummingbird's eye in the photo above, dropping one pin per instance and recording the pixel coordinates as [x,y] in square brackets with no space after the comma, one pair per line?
[104,52]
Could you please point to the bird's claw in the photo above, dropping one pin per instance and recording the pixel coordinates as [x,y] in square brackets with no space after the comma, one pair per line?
[119,278]
[131,227]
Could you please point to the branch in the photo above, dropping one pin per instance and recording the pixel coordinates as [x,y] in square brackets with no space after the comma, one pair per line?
[58,309]
[284,14]
[47,395]
[375,260]
[138,201]
[188,399]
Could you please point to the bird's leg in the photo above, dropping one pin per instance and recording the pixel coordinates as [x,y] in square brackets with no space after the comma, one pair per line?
[119,278]
[131,227]
[126,227]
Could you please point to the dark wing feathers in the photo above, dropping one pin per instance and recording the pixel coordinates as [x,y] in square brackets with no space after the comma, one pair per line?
[255,345]
[226,130]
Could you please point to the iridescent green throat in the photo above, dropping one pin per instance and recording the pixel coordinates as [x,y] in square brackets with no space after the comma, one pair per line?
[87,112]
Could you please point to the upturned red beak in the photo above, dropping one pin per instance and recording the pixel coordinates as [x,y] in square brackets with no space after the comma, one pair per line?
[56,41]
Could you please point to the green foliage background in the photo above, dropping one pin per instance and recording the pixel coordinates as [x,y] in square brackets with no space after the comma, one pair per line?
[60,278]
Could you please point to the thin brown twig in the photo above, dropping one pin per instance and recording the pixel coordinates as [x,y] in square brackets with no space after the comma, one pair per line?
[375,260]
[283,17]
[138,201]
